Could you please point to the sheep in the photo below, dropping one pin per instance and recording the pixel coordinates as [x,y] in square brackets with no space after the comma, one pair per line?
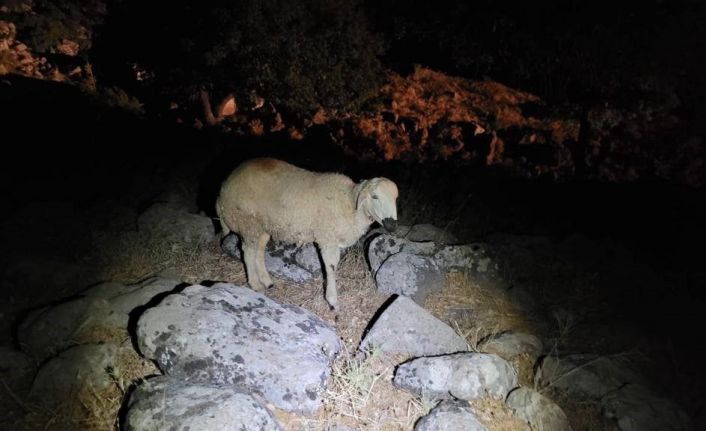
[267,198]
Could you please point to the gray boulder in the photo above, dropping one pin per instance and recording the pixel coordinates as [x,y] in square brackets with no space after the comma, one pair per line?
[49,330]
[382,246]
[79,368]
[508,345]
[175,225]
[635,407]
[472,257]
[231,245]
[123,300]
[191,406]
[465,376]
[16,369]
[540,413]
[288,261]
[586,376]
[107,306]
[450,416]
[405,327]
[476,258]
[226,334]
[307,257]
[409,275]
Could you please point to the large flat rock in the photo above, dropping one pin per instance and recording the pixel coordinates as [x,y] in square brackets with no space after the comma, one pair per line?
[227,334]
[405,327]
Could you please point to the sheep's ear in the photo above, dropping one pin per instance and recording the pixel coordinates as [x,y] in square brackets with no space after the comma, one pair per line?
[362,193]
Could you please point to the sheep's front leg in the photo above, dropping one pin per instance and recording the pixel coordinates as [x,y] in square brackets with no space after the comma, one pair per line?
[262,273]
[331,255]
[250,258]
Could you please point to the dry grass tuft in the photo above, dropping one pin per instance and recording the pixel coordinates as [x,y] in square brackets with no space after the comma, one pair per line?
[98,334]
[477,310]
[582,415]
[361,395]
[496,417]
[91,409]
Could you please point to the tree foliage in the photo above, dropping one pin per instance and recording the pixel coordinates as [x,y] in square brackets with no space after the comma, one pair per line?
[299,55]
[43,24]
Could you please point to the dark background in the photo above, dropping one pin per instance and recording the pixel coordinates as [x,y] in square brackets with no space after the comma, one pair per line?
[62,144]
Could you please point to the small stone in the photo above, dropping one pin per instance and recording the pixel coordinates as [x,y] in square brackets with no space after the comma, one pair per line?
[450,416]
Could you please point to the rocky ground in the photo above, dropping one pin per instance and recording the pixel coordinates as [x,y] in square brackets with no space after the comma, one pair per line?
[507,332]
[505,304]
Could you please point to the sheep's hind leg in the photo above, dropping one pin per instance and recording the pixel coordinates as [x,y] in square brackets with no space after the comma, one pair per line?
[261,268]
[225,230]
[250,258]
[331,256]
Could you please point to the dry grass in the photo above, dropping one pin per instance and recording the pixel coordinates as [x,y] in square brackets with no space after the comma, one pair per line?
[582,415]
[496,417]
[477,310]
[360,393]
[90,409]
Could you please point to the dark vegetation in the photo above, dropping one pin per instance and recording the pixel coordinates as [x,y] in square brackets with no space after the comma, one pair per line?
[298,55]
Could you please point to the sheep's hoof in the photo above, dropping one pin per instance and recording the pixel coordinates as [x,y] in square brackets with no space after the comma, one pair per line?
[269,286]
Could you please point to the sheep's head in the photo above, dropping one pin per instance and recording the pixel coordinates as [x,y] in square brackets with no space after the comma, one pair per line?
[377,197]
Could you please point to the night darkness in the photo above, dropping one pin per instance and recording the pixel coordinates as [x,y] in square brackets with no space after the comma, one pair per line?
[551,168]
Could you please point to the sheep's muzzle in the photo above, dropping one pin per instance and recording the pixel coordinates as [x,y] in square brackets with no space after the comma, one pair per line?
[390,224]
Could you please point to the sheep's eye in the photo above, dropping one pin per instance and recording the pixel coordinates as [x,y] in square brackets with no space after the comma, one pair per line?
[375,196]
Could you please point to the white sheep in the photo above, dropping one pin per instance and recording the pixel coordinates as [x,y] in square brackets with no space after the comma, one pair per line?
[268,198]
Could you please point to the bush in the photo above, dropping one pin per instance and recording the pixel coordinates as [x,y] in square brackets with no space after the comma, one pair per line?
[114,97]
[299,55]
[48,22]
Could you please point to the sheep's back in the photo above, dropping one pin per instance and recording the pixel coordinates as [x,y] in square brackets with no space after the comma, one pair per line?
[290,203]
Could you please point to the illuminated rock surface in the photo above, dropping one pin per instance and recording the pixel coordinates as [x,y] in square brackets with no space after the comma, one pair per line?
[405,327]
[409,275]
[465,376]
[194,407]
[231,335]
[287,261]
[450,416]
